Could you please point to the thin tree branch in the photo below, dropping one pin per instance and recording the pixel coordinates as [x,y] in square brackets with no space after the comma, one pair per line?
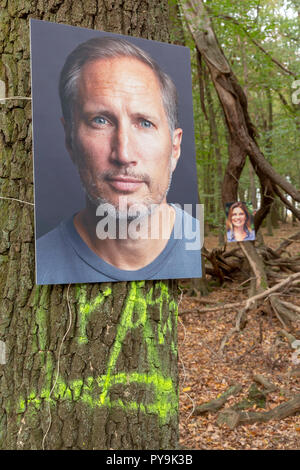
[290,206]
[256,43]
[247,303]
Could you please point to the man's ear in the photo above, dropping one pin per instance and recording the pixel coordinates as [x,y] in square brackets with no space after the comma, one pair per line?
[68,138]
[176,147]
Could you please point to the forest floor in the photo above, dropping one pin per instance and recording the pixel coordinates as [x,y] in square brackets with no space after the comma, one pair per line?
[257,349]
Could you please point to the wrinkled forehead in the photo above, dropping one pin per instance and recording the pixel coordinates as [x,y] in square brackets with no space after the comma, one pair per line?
[118,77]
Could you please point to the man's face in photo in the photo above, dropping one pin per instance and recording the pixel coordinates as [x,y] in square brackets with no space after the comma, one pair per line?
[120,139]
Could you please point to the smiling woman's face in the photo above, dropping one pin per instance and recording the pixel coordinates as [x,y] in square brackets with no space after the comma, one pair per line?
[238,217]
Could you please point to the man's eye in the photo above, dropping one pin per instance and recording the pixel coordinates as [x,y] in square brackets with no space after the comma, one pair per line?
[146,124]
[100,120]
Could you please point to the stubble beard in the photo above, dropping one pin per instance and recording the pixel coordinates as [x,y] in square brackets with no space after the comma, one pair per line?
[139,210]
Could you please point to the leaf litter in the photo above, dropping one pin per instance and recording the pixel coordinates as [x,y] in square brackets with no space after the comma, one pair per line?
[258,349]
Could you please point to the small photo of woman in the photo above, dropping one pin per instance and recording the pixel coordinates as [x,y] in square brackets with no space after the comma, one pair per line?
[239,223]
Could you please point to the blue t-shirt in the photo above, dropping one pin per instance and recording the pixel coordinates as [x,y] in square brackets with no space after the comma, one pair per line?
[62,257]
[249,236]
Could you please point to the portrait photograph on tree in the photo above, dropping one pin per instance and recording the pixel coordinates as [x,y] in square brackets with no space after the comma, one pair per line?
[130,137]
[239,221]
[200,353]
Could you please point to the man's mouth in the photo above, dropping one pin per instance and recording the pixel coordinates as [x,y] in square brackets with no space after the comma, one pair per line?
[123,183]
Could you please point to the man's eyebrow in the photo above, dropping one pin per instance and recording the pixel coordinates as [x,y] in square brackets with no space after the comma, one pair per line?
[111,115]
[97,112]
[147,116]
[91,109]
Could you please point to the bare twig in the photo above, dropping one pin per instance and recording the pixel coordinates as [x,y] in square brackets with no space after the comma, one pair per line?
[193,310]
[292,279]
[289,280]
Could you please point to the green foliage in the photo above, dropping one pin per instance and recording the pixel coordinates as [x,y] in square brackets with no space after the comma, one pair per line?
[260,39]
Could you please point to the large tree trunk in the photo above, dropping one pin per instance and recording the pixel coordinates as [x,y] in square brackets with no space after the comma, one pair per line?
[84,366]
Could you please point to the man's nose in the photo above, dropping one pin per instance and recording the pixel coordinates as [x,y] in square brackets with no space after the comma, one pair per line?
[124,151]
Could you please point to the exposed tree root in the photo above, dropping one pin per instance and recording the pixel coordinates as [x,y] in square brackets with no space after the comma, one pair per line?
[269,387]
[290,280]
[284,311]
[273,274]
[287,242]
[222,264]
[233,418]
[235,415]
[216,404]
[284,314]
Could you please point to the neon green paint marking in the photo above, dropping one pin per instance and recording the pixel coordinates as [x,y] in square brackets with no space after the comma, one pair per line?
[164,393]
[36,294]
[41,322]
[95,392]
[49,369]
[76,387]
[124,325]
[22,406]
[86,308]
[163,297]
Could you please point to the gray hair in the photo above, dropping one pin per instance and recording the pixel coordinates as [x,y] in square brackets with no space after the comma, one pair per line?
[106,48]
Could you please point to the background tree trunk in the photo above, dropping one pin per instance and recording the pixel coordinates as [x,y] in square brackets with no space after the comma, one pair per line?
[84,366]
[216,157]
[242,134]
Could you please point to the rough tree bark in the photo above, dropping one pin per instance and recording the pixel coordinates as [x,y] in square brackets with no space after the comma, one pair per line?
[82,366]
